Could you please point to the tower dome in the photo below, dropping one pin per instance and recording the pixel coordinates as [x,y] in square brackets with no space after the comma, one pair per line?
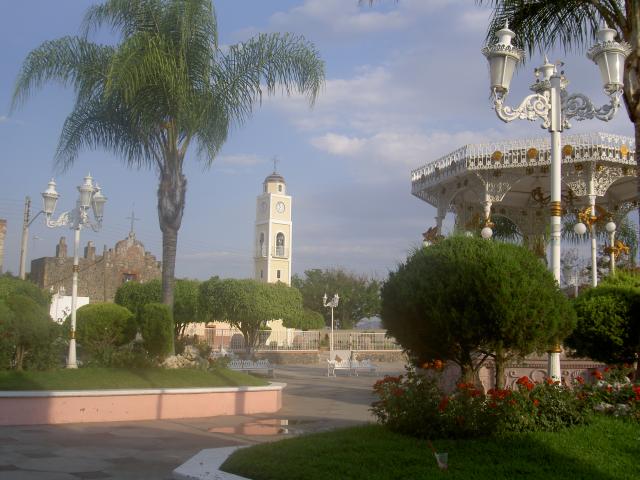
[274,183]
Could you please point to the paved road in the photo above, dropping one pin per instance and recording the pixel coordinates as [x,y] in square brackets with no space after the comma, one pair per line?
[152,449]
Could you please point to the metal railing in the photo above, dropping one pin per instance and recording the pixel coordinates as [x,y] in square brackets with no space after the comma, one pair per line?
[231,339]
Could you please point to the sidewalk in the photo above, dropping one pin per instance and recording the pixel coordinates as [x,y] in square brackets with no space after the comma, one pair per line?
[152,449]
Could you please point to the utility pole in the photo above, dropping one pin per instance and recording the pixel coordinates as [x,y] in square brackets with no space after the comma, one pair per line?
[25,237]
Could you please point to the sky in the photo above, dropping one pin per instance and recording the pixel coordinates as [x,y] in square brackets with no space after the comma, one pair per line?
[405,84]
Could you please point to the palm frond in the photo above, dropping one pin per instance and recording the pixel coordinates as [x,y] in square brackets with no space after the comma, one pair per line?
[541,25]
[72,61]
[271,61]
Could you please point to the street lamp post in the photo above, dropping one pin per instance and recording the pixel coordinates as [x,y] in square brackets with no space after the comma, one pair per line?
[551,103]
[90,197]
[610,227]
[333,303]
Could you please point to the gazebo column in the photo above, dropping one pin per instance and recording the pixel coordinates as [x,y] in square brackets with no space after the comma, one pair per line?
[442,212]
[592,229]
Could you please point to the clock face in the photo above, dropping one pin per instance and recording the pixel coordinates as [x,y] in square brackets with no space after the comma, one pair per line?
[280,207]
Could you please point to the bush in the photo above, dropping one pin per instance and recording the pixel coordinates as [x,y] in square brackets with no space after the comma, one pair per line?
[28,333]
[101,328]
[607,328]
[157,329]
[413,404]
[464,295]
[611,392]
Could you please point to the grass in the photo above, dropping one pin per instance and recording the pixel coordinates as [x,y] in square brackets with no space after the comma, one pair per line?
[110,378]
[607,449]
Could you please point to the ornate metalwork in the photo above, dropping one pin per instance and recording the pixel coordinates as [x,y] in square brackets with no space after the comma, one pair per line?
[580,107]
[618,248]
[432,236]
[532,107]
[76,218]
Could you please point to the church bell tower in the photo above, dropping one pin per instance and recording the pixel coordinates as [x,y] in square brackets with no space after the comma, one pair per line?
[273,231]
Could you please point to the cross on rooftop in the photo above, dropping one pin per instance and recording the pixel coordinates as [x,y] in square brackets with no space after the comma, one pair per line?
[133,218]
[275,164]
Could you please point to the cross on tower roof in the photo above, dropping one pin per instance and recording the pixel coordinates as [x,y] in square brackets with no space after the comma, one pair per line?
[275,164]
[133,218]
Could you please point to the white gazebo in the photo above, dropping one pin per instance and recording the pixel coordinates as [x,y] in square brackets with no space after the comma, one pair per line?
[511,179]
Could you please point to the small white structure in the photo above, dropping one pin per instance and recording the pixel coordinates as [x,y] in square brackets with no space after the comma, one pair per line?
[61,306]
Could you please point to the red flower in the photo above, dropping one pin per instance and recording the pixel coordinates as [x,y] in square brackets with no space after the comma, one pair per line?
[606,369]
[580,380]
[437,364]
[536,402]
[597,374]
[549,381]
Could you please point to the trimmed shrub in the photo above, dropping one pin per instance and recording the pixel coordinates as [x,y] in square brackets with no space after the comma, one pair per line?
[466,295]
[608,330]
[101,328]
[13,285]
[157,329]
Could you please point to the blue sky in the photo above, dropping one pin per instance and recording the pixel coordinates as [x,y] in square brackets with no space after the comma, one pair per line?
[406,83]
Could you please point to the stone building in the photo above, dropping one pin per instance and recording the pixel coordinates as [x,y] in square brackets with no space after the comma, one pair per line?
[99,275]
[3,233]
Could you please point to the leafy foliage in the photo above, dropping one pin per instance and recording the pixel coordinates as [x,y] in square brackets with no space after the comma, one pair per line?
[608,326]
[101,328]
[413,404]
[135,296]
[308,320]
[248,304]
[164,86]
[10,284]
[157,329]
[28,335]
[465,299]
[359,295]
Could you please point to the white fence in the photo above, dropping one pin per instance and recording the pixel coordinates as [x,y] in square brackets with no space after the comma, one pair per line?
[297,340]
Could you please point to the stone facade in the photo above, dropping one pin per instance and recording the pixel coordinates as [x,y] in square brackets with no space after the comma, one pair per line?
[99,275]
[3,233]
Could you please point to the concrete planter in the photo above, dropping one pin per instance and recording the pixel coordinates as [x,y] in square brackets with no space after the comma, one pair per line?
[79,406]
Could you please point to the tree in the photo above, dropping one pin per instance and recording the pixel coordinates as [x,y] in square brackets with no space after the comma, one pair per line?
[164,86]
[542,24]
[26,324]
[249,304]
[308,320]
[135,296]
[466,299]
[359,295]
[608,327]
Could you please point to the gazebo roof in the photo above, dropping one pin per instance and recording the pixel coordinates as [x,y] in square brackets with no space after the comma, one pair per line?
[514,173]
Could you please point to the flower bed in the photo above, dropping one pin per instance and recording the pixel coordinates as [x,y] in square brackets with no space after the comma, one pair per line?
[414,404]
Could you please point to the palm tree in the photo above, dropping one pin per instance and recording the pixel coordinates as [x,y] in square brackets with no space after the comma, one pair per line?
[165,86]
[542,24]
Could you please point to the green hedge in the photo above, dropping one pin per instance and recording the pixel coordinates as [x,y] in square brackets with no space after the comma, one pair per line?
[101,328]
[157,329]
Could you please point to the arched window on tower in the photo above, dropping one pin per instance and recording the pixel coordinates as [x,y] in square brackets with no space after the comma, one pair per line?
[280,252]
[262,247]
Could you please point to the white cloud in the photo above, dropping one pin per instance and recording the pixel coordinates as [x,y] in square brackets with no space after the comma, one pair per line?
[337,17]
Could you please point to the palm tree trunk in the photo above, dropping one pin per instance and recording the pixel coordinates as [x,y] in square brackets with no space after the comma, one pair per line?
[171,199]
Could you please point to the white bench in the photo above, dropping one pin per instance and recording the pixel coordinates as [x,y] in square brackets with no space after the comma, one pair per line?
[333,365]
[363,365]
[251,366]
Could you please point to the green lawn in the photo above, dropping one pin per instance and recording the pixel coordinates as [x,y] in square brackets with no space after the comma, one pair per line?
[608,449]
[107,378]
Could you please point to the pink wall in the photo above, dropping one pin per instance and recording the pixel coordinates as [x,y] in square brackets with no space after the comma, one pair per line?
[33,408]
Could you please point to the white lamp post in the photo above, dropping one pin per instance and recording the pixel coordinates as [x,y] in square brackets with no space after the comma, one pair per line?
[486,233]
[333,303]
[610,227]
[91,197]
[551,103]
